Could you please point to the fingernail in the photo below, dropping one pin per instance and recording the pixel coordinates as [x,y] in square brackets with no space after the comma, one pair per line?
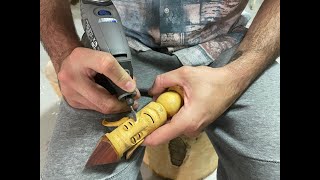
[129,86]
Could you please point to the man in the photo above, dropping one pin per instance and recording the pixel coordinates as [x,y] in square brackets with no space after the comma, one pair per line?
[235,99]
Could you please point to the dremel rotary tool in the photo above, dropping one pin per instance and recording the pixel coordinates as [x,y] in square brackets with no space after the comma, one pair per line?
[104,32]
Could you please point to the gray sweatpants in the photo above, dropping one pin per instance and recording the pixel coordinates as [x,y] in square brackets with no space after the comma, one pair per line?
[246,137]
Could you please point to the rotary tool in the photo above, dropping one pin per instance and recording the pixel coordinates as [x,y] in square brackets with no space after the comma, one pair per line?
[104,32]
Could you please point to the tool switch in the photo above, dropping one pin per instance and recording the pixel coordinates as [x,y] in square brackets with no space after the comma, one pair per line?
[104,12]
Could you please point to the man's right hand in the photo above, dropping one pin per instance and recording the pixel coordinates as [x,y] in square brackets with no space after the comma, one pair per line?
[77,85]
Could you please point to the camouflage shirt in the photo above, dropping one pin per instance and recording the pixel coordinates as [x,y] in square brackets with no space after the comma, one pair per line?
[196,31]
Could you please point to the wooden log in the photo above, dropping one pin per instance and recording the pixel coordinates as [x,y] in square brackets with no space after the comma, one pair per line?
[52,77]
[183,158]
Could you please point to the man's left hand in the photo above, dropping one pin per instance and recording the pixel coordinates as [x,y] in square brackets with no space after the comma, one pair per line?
[208,92]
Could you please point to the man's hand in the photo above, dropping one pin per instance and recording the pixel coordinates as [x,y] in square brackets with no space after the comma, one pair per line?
[76,80]
[75,66]
[208,92]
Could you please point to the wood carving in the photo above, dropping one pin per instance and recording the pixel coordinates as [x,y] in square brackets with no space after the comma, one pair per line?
[183,158]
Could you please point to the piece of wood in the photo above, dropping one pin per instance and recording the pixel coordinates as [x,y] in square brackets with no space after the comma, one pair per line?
[52,78]
[183,158]
[104,153]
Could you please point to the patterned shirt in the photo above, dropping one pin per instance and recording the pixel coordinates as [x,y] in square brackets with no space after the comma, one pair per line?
[196,31]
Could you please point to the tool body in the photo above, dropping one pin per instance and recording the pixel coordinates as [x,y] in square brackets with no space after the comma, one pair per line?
[130,134]
[104,32]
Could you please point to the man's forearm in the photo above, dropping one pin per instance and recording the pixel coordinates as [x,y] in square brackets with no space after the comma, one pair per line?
[57,31]
[261,45]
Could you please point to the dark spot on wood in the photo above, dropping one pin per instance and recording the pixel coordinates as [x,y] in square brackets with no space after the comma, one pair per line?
[178,151]
[133,140]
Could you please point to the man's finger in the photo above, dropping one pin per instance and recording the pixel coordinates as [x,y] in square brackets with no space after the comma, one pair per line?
[165,80]
[106,64]
[166,132]
[138,95]
[99,96]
